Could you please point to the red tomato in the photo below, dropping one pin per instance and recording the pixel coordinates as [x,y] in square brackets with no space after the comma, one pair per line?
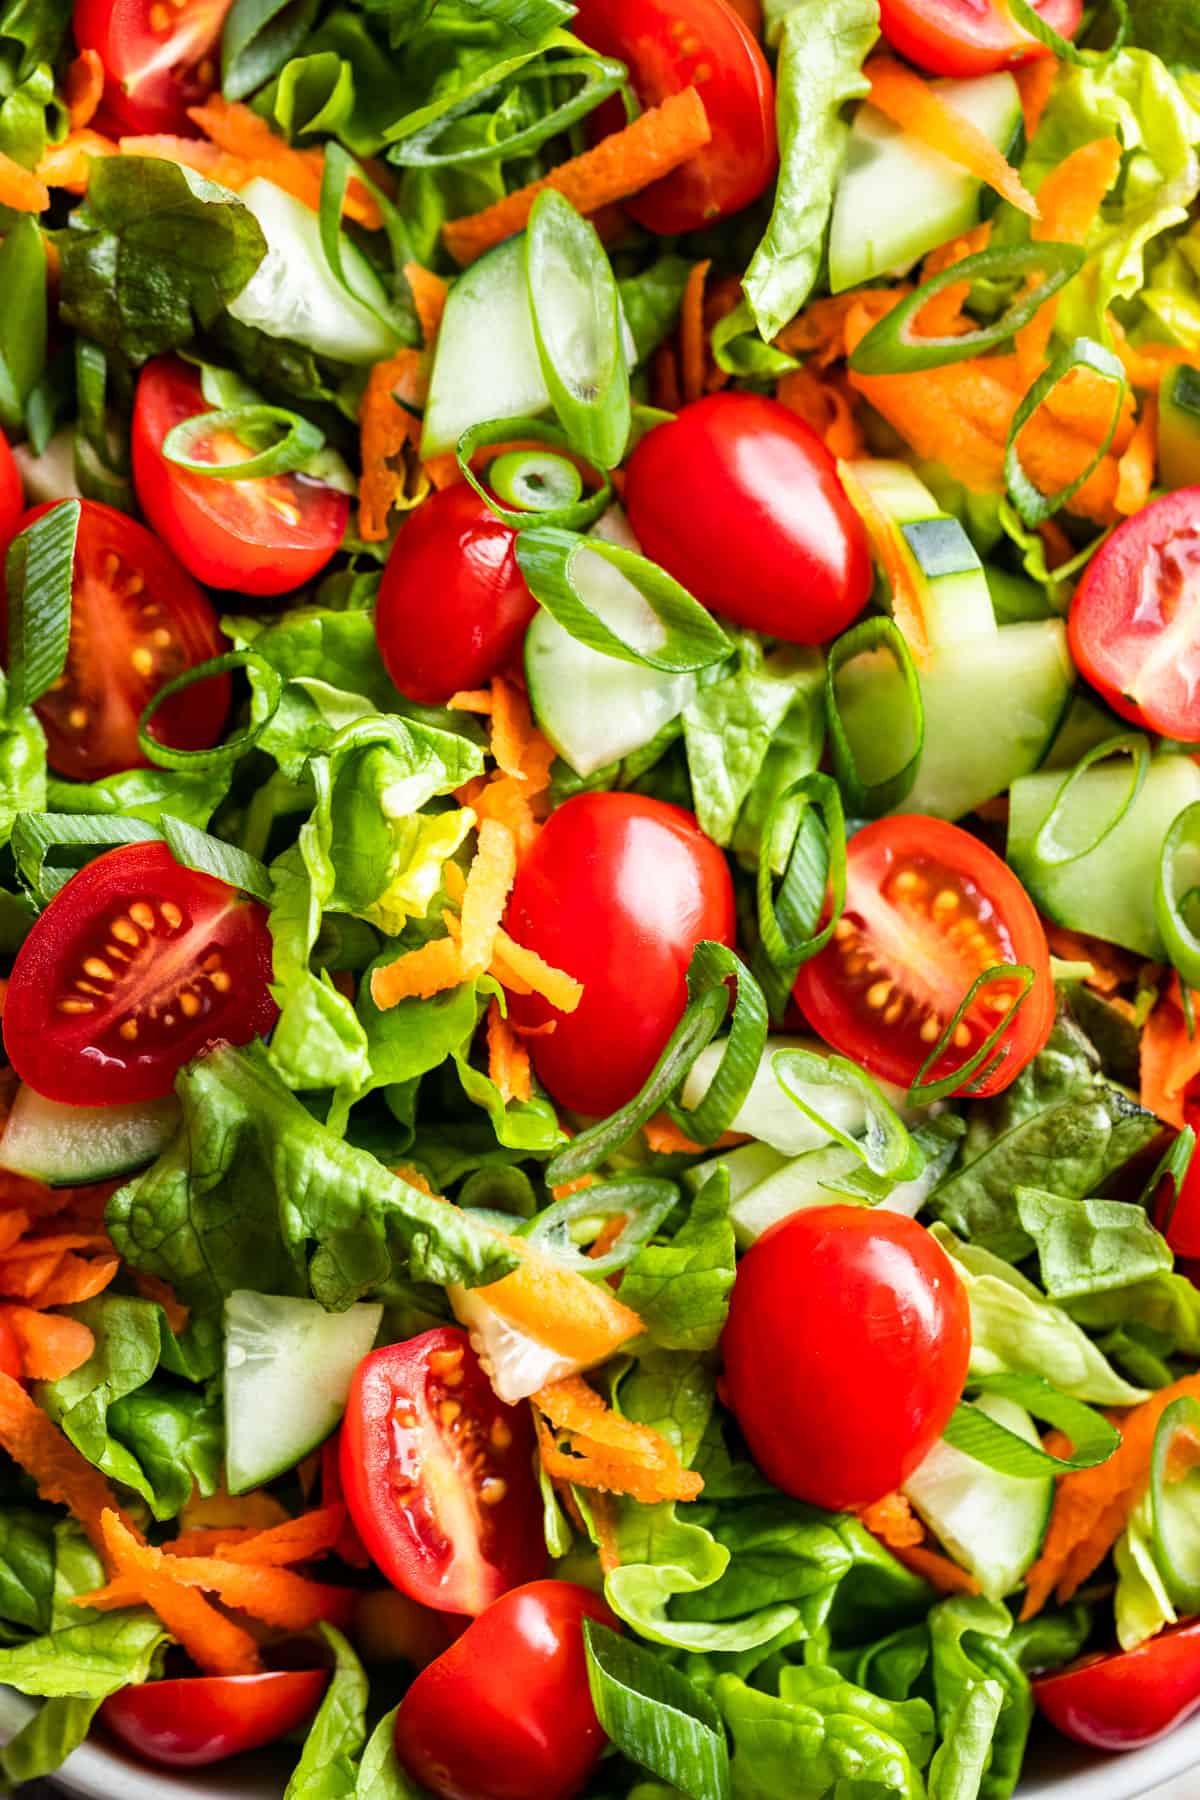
[1178,1215]
[159,58]
[1128,1699]
[263,536]
[970,37]
[928,908]
[1134,629]
[10,1351]
[506,1712]
[453,605]
[437,1474]
[12,499]
[740,501]
[668,45]
[618,891]
[205,1718]
[137,621]
[845,1350]
[136,966]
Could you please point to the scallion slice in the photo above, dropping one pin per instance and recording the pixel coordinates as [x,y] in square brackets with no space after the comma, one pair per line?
[38,573]
[871,799]
[268,691]
[1092,1438]
[811,850]
[576,313]
[643,1201]
[923,1091]
[1173,1166]
[1049,851]
[289,441]
[712,965]
[1176,1523]
[657,1717]
[886,1147]
[1032,22]
[1177,894]
[569,508]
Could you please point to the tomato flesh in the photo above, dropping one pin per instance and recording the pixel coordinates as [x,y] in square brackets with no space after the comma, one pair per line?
[263,536]
[136,966]
[12,499]
[970,37]
[506,1712]
[1134,626]
[202,1719]
[928,910]
[618,891]
[669,45]
[1128,1699]
[741,502]
[160,57]
[438,1476]
[845,1350]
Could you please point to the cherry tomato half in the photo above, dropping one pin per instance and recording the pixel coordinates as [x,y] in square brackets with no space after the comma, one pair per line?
[740,501]
[1128,1699]
[137,621]
[453,605]
[506,1712]
[205,1718]
[618,891]
[438,1476]
[1134,627]
[263,536]
[928,909]
[669,45]
[846,1349]
[159,58]
[12,499]
[1177,1215]
[970,37]
[136,966]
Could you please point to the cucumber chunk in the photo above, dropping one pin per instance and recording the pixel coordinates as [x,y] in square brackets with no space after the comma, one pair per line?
[288,1369]
[769,1115]
[1179,427]
[67,1146]
[956,602]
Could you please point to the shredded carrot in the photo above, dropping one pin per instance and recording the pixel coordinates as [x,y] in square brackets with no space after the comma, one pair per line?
[417,974]
[153,1287]
[57,1243]
[691,332]
[893,1521]
[489,882]
[472,700]
[1111,968]
[825,405]
[602,1449]
[897,565]
[214,1643]
[243,134]
[1035,80]
[389,434]
[83,88]
[1069,199]
[1135,470]
[666,389]
[23,1277]
[554,985]
[429,293]
[651,146]
[1170,1059]
[937,1570]
[257,1511]
[902,96]
[13,1224]
[664,1137]
[51,1345]
[414,1178]
[76,1280]
[1146,364]
[582,1320]
[20,188]
[275,1596]
[820,331]
[303,1539]
[508,1059]
[63,1476]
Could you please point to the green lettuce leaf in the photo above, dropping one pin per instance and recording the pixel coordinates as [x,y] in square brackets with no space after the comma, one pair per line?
[1171,28]
[729,727]
[1089,1246]
[149,794]
[982,1697]
[821,1737]
[27,1556]
[682,1288]
[22,767]
[86,1661]
[651,301]
[328,1766]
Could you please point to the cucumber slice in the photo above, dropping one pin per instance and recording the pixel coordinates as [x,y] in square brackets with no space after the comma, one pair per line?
[897,198]
[288,1369]
[956,602]
[991,1524]
[1108,893]
[809,1180]
[746,1166]
[67,1146]
[990,711]
[1179,427]
[770,1116]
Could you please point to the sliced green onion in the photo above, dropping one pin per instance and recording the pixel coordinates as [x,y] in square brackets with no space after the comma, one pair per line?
[1048,850]
[644,1201]
[573,514]
[257,39]
[1092,1438]
[535,481]
[1024,15]
[36,836]
[870,800]
[1176,1526]
[712,965]
[924,1092]
[38,572]
[1177,894]
[1034,506]
[815,867]
[603,77]
[337,169]
[299,443]
[209,855]
[1173,1167]
[681,637]
[895,347]
[886,1148]
[656,1716]
[268,691]
[577,325]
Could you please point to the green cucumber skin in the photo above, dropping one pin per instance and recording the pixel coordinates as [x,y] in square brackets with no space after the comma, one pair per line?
[1179,428]
[70,1146]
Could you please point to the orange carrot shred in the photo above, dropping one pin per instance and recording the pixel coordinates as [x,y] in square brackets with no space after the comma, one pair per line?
[23,1277]
[214,1643]
[825,406]
[508,1059]
[13,1224]
[64,1477]
[419,973]
[243,134]
[1069,198]
[1170,1059]
[83,87]
[20,188]
[472,700]
[666,389]
[76,1280]
[51,1345]
[389,434]
[554,985]
[902,96]
[893,1521]
[1035,83]
[936,1569]
[691,332]
[1111,967]
[275,1596]
[605,1450]
[1135,469]
[489,882]
[429,293]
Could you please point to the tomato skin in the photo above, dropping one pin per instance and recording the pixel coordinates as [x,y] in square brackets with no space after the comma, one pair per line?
[888,934]
[264,536]
[453,606]
[970,37]
[1130,1698]
[740,501]
[1178,1215]
[154,71]
[202,1719]
[397,1475]
[518,1674]
[12,498]
[668,45]
[617,890]
[1135,653]
[845,1351]
[156,928]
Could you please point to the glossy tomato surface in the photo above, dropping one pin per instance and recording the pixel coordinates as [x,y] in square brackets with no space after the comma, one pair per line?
[1123,1701]
[970,37]
[618,891]
[159,56]
[12,500]
[263,536]
[135,967]
[846,1349]
[438,1475]
[453,605]
[669,45]
[137,621]
[506,1713]
[1134,626]
[740,501]
[928,910]
[1177,1212]
[203,1719]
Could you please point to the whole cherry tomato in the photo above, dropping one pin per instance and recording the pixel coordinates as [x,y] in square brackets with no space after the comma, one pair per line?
[203,1719]
[1128,1699]
[12,500]
[740,501]
[158,59]
[970,37]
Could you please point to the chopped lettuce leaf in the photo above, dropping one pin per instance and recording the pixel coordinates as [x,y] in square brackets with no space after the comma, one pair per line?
[682,1288]
[1088,1246]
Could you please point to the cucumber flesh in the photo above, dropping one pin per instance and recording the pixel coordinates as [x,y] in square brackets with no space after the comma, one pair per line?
[770,1116]
[897,198]
[808,1180]
[746,1166]
[67,1146]
[288,1369]
[956,601]
[991,1524]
